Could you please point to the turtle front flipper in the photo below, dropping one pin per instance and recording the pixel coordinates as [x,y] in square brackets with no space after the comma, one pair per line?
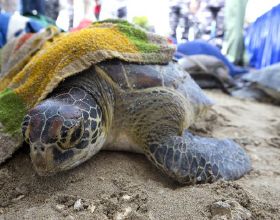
[192,159]
[158,124]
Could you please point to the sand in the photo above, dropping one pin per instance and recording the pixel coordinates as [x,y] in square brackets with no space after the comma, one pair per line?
[115,185]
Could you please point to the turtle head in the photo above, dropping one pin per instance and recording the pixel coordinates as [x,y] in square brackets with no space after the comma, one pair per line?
[60,136]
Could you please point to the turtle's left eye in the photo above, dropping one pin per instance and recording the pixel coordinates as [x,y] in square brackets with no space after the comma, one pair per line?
[71,135]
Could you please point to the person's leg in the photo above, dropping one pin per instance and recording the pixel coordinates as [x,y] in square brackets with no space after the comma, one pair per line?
[52,9]
[27,6]
[233,39]
[186,26]
[174,19]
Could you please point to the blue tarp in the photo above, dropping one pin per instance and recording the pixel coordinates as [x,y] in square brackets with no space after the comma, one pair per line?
[263,39]
[4,22]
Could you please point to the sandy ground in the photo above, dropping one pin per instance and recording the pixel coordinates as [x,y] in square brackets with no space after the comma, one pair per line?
[115,185]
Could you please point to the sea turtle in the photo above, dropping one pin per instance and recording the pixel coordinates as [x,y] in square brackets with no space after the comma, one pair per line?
[116,105]
[261,85]
[208,71]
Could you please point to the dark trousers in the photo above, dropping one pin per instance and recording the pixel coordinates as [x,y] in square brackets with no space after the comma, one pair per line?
[27,6]
[175,17]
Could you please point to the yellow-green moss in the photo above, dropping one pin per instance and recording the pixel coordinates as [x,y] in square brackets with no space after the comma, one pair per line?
[139,39]
[136,35]
[113,21]
[12,111]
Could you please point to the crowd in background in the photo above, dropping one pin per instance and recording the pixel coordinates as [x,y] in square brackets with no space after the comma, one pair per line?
[217,22]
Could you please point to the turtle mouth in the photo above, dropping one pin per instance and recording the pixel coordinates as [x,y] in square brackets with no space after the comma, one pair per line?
[41,159]
[41,171]
[51,159]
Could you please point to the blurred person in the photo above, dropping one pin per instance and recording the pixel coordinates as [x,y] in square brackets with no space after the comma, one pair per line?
[52,9]
[97,9]
[179,12]
[233,45]
[113,9]
[200,18]
[36,9]
[210,15]
[32,7]
[194,24]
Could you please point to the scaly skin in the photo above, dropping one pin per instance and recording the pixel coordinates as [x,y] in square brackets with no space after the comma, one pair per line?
[160,128]
[89,111]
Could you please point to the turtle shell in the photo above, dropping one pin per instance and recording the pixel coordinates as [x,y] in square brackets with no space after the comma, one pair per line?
[196,64]
[267,80]
[131,76]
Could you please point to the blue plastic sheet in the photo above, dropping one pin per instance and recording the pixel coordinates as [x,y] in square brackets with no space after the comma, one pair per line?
[263,39]
[4,22]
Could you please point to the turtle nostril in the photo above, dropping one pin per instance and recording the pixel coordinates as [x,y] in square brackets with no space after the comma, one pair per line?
[39,147]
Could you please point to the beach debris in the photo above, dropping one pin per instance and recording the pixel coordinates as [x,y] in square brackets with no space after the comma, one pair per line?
[229,209]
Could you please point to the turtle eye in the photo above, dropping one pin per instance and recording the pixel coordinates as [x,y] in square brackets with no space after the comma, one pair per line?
[70,135]
[25,128]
